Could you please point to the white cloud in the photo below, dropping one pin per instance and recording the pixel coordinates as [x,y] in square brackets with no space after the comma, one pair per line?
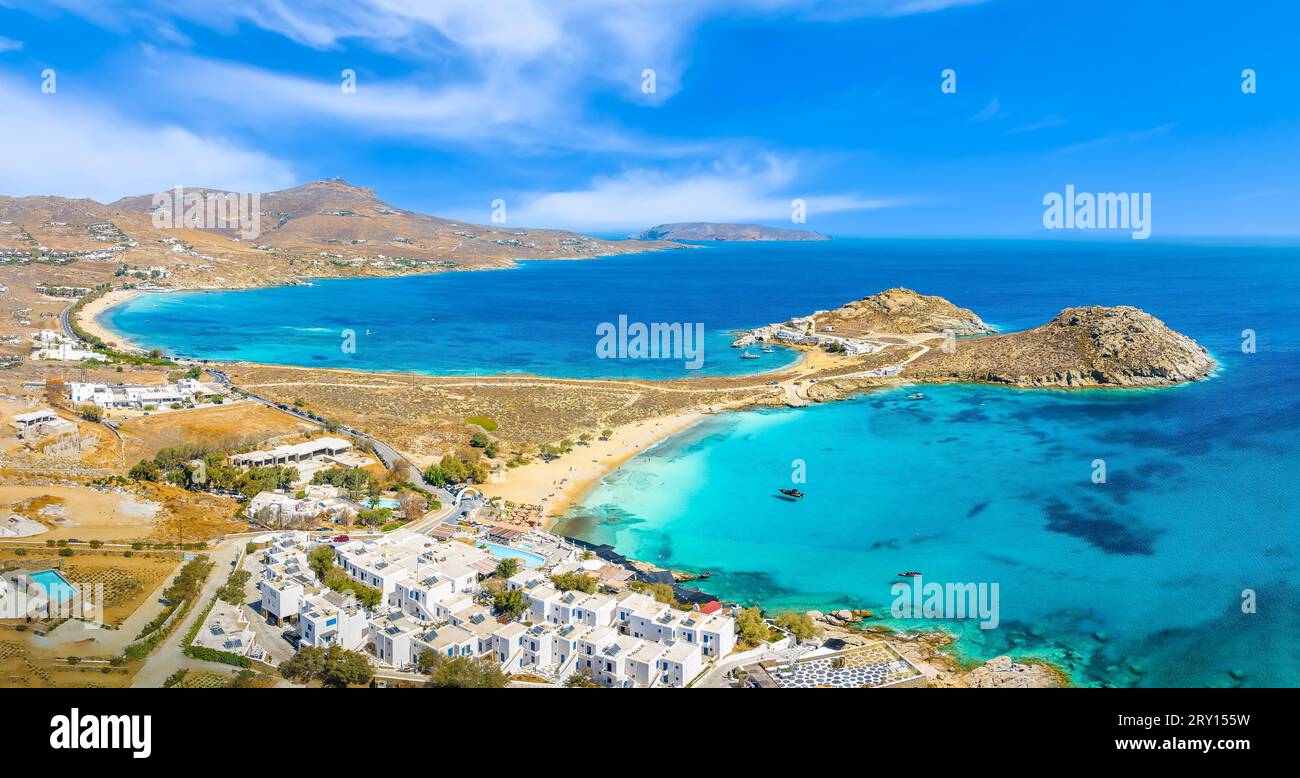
[640,198]
[503,64]
[993,110]
[498,111]
[9,44]
[59,145]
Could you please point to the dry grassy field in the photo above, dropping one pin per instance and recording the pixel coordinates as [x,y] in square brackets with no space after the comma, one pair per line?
[228,426]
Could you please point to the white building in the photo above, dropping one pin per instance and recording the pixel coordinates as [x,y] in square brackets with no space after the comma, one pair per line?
[227,629]
[331,619]
[288,455]
[136,396]
[430,593]
[33,419]
[69,352]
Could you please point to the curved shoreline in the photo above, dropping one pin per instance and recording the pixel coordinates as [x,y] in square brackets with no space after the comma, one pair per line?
[88,317]
[558,484]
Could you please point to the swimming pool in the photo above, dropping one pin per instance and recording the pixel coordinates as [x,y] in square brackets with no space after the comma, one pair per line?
[385,502]
[527,557]
[56,587]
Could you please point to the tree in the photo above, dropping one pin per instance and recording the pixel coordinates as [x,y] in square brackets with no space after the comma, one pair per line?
[510,603]
[750,627]
[567,582]
[581,680]
[800,625]
[434,475]
[606,434]
[664,593]
[321,561]
[507,567]
[144,470]
[413,505]
[584,438]
[91,412]
[346,668]
[549,452]
[461,672]
[479,439]
[233,591]
[335,667]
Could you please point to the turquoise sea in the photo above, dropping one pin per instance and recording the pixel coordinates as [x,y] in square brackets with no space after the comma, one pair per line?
[1136,581]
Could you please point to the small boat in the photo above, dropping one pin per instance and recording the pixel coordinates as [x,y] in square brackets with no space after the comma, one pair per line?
[746,355]
[703,576]
[909,574]
[795,493]
[916,396]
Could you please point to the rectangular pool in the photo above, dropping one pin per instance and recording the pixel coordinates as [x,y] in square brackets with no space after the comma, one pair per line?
[56,587]
[527,557]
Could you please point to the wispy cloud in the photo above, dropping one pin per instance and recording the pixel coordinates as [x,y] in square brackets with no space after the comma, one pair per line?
[993,110]
[86,149]
[1129,136]
[726,192]
[9,44]
[1043,124]
[512,70]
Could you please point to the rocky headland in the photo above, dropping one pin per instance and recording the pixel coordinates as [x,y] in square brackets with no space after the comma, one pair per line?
[706,231]
[1087,346]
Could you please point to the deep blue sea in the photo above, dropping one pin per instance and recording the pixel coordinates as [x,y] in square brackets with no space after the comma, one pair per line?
[1136,581]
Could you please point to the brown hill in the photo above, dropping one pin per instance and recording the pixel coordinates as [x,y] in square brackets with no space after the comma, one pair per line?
[1080,347]
[323,228]
[901,311]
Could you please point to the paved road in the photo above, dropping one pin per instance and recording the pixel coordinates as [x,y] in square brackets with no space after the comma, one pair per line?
[65,324]
[169,657]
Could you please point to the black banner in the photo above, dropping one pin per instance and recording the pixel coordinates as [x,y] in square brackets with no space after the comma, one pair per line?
[1178,726]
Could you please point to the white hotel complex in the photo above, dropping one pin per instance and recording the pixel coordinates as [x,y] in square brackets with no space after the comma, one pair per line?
[432,600]
[137,396]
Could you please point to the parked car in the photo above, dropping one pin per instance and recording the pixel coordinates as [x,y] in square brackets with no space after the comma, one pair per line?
[341,539]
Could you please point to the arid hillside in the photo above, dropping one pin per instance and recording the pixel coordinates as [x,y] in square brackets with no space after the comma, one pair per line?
[1080,347]
[320,229]
[901,311]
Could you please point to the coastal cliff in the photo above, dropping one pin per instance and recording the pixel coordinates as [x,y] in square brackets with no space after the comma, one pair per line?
[1087,346]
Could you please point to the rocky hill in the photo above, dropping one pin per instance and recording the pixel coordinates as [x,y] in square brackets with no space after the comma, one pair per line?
[705,231]
[1081,347]
[323,228]
[901,311]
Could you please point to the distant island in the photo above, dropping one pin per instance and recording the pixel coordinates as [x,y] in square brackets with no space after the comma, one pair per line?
[701,231]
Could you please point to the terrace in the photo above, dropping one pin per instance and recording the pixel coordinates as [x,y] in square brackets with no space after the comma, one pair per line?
[873,666]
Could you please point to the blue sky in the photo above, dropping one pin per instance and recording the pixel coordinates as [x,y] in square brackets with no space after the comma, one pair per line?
[757,103]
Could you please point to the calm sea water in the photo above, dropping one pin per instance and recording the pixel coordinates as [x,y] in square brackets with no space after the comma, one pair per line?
[1137,581]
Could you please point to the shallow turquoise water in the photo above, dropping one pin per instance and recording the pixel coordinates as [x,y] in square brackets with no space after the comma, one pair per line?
[976,484]
[55,585]
[1138,581]
[528,558]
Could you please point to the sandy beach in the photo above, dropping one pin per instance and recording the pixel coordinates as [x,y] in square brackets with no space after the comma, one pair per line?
[557,484]
[88,316]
